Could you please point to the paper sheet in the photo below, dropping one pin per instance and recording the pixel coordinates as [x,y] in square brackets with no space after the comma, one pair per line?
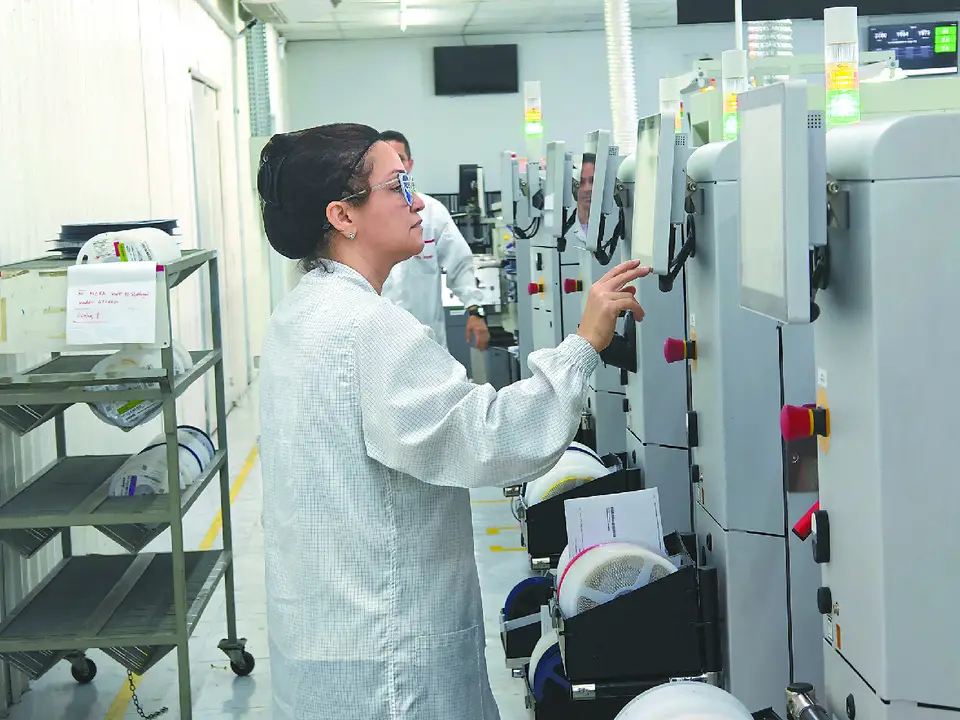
[112,303]
[623,517]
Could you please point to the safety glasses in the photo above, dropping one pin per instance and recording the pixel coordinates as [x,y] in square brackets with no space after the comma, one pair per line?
[402,184]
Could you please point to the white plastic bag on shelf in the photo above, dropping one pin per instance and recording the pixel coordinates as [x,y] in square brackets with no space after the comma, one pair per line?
[128,414]
[146,472]
[135,245]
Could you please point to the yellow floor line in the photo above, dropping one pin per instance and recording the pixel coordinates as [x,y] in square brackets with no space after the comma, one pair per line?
[498,530]
[498,548]
[118,708]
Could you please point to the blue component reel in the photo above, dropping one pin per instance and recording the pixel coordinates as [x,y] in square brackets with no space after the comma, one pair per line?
[549,673]
[527,597]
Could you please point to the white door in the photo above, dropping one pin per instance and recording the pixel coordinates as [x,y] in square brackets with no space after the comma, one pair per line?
[206,137]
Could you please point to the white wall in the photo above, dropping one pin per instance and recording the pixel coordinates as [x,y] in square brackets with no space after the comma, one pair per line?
[95,103]
[389,84]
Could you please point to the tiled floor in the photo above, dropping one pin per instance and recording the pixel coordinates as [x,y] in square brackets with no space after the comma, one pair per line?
[217,692]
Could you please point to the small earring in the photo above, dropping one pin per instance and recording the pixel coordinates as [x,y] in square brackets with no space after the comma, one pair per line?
[351,235]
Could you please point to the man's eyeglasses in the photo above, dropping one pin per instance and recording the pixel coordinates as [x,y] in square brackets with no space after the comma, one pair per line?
[402,183]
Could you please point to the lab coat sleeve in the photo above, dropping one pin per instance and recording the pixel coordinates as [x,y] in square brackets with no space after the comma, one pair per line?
[455,257]
[422,417]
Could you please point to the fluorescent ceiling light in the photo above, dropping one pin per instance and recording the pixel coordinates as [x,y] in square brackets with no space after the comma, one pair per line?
[403,15]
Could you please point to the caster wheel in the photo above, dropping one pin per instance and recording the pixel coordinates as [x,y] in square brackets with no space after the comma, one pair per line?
[248,665]
[84,676]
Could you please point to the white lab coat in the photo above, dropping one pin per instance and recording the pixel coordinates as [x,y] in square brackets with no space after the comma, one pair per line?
[371,435]
[415,284]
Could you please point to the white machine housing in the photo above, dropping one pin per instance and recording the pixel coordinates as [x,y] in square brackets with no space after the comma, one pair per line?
[748,491]
[656,395]
[887,371]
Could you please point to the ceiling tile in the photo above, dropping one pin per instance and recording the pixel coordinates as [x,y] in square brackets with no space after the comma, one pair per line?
[381,18]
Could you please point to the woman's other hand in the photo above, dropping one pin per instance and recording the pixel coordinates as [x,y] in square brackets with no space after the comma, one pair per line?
[608,298]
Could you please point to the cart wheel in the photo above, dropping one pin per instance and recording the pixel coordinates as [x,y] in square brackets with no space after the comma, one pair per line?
[248,665]
[84,676]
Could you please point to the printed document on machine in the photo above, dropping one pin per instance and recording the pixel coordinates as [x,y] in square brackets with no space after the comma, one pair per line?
[632,517]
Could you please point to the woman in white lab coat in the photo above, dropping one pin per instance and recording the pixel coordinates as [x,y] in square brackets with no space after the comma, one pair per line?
[371,435]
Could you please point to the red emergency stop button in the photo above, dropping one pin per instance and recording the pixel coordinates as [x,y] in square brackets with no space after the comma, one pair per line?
[678,350]
[804,525]
[804,421]
[534,288]
[571,285]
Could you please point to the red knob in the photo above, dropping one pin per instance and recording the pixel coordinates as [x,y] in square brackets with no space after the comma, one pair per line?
[678,350]
[534,288]
[571,286]
[804,525]
[804,421]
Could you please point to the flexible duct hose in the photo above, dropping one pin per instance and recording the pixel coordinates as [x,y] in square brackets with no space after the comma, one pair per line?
[623,86]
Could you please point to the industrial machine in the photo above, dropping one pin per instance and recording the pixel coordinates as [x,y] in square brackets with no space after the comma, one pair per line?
[520,216]
[881,408]
[881,91]
[656,394]
[595,252]
[748,489]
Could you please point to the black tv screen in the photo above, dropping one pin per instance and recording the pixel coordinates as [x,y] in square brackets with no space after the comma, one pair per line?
[921,48]
[475,70]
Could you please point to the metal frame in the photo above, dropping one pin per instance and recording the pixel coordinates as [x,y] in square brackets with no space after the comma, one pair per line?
[97,600]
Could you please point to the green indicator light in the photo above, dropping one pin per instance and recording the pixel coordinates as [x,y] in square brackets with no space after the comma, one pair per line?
[843,107]
[946,31]
[731,126]
[946,47]
[533,128]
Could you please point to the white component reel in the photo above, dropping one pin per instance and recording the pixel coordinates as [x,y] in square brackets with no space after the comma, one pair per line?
[605,572]
[128,414]
[546,641]
[563,561]
[685,701]
[146,472]
[578,465]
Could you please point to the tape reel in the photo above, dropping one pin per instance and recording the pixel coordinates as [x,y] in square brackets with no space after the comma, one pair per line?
[685,701]
[578,465]
[604,572]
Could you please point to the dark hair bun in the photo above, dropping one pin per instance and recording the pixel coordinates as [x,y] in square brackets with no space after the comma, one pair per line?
[300,174]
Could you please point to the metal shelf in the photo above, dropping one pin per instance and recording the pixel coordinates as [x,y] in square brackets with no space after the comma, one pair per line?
[62,381]
[130,605]
[176,272]
[123,604]
[72,492]
[23,419]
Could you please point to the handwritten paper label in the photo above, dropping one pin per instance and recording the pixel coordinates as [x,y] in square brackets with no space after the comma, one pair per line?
[112,303]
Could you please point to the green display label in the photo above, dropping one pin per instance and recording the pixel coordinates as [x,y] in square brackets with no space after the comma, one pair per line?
[943,46]
[947,31]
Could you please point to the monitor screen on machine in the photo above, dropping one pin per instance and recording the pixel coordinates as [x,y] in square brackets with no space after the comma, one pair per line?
[775,202]
[652,196]
[597,144]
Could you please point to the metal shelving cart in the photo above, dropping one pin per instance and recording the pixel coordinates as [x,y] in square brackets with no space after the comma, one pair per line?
[135,607]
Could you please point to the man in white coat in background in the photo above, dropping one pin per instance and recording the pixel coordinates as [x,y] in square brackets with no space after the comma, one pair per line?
[415,284]
[588,165]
